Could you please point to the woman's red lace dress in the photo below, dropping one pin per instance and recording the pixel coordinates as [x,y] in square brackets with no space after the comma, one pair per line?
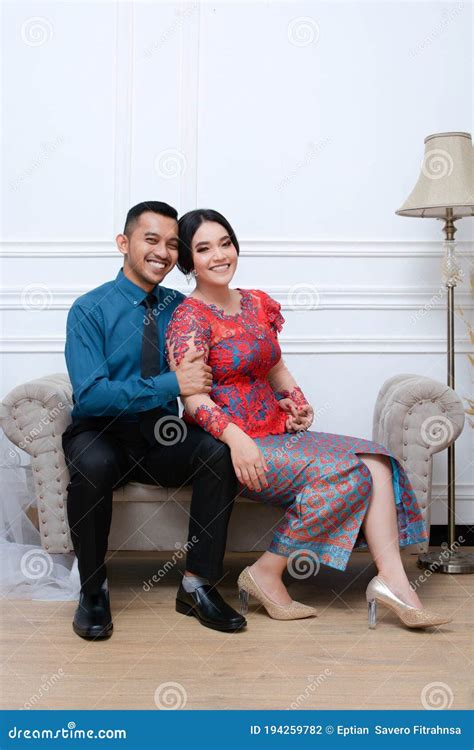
[316,476]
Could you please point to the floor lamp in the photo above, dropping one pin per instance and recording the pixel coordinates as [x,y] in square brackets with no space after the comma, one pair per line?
[445,190]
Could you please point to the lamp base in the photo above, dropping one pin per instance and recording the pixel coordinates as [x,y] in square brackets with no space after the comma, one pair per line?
[446,561]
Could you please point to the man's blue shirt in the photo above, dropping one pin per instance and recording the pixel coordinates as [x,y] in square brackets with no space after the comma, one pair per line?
[103,351]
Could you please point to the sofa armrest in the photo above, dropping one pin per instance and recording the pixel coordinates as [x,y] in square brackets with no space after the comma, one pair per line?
[415,417]
[34,416]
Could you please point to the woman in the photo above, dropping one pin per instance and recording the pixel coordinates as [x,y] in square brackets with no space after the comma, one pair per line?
[338,491]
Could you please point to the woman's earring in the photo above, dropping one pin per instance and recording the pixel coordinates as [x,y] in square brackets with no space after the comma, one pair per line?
[190,276]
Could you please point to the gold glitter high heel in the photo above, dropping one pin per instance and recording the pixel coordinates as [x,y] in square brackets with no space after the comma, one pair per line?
[378,591]
[294,611]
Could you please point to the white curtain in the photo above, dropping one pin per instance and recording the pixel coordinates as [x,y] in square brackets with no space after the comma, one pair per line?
[26,570]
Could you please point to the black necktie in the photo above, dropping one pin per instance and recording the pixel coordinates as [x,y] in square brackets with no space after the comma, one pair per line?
[150,366]
[150,360]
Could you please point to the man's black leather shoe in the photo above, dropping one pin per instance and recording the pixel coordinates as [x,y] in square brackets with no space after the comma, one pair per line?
[93,619]
[208,606]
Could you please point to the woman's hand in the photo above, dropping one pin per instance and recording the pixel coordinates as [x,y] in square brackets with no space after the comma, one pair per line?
[247,458]
[288,405]
[302,421]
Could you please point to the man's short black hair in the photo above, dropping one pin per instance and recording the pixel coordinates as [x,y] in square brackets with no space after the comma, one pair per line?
[157,207]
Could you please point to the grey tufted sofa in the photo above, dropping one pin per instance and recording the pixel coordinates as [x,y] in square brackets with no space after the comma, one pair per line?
[414,418]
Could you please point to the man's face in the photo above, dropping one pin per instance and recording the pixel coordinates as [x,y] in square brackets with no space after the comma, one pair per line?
[151,249]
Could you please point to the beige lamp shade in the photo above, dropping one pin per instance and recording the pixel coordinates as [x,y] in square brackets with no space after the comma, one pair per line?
[446,179]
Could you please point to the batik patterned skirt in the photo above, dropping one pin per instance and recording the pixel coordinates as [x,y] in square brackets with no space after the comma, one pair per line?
[325,488]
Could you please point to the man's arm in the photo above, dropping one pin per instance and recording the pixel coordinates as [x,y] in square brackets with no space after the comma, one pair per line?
[94,392]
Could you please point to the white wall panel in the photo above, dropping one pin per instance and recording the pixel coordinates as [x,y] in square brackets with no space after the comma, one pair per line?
[158,165]
[59,100]
[356,92]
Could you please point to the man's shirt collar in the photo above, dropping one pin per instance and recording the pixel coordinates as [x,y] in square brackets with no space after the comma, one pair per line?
[132,292]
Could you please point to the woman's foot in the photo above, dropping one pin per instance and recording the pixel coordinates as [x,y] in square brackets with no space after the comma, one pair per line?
[400,585]
[270,583]
[379,592]
[248,586]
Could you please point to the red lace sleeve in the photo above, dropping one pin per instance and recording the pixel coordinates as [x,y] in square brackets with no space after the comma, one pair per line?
[296,395]
[212,419]
[188,328]
[272,311]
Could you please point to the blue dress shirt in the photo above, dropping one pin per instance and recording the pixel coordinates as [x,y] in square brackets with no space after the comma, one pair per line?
[103,351]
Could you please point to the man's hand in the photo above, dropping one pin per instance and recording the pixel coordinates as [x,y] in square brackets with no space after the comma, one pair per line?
[194,376]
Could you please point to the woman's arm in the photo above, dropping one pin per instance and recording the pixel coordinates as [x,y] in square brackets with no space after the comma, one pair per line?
[187,335]
[248,461]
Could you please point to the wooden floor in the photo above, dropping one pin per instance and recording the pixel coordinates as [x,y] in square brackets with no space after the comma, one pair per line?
[332,661]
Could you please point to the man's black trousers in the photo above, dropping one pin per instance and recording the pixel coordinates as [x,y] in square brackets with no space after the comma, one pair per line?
[103,454]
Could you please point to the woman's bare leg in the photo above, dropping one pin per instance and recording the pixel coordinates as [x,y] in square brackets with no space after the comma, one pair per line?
[381,530]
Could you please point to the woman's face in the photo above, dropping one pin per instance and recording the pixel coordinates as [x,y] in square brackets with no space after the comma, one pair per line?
[214,255]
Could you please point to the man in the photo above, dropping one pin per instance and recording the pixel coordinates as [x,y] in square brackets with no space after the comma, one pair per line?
[124,407]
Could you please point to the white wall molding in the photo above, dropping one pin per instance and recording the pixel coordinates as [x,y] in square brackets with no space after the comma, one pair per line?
[256,248]
[464,502]
[464,492]
[291,297]
[303,248]
[59,249]
[290,345]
